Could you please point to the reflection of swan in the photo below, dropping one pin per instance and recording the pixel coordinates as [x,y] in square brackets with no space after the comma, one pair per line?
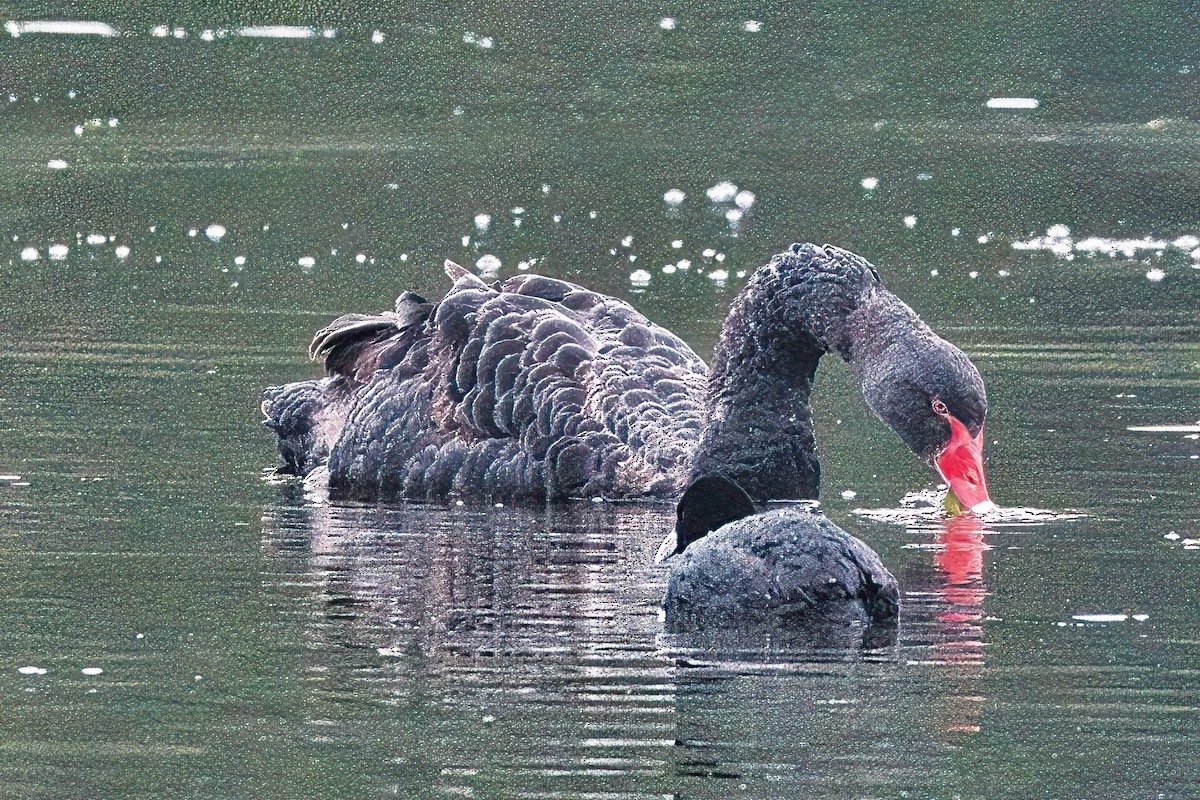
[961,560]
[441,650]
[446,586]
[543,390]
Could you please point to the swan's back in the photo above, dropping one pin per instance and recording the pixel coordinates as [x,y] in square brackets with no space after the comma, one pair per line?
[534,389]
[789,569]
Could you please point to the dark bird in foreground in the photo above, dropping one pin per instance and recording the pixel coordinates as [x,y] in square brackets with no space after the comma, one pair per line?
[789,570]
[538,390]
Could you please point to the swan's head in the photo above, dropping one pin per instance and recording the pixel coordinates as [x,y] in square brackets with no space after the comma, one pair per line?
[931,394]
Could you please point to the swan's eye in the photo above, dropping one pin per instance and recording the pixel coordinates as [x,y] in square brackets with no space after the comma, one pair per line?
[939,408]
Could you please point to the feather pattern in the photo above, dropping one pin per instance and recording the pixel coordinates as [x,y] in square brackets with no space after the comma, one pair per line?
[788,569]
[537,389]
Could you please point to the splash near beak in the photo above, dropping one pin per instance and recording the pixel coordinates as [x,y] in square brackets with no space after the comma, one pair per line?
[961,465]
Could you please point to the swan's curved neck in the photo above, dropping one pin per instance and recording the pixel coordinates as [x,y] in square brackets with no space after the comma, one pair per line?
[759,429]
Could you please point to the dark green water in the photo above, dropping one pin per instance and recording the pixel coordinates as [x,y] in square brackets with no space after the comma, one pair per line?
[254,644]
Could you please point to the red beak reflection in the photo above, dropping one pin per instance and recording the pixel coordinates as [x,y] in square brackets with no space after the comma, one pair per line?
[961,465]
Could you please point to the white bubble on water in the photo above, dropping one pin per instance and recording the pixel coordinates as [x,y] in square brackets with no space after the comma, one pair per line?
[722,192]
[1013,102]
[667,23]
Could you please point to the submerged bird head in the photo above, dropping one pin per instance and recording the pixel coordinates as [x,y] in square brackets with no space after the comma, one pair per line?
[932,396]
[710,502]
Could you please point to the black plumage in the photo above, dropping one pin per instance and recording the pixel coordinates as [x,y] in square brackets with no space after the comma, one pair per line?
[788,570]
[540,390]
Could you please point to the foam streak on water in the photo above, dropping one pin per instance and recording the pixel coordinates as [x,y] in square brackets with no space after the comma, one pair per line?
[1164,428]
[927,507]
[278,32]
[71,28]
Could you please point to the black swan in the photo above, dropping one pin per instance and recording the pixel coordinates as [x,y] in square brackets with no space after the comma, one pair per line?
[788,570]
[538,390]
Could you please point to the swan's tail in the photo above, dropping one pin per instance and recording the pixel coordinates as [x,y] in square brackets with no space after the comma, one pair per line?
[293,412]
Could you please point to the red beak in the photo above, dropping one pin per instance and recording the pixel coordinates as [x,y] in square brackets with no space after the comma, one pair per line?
[961,465]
